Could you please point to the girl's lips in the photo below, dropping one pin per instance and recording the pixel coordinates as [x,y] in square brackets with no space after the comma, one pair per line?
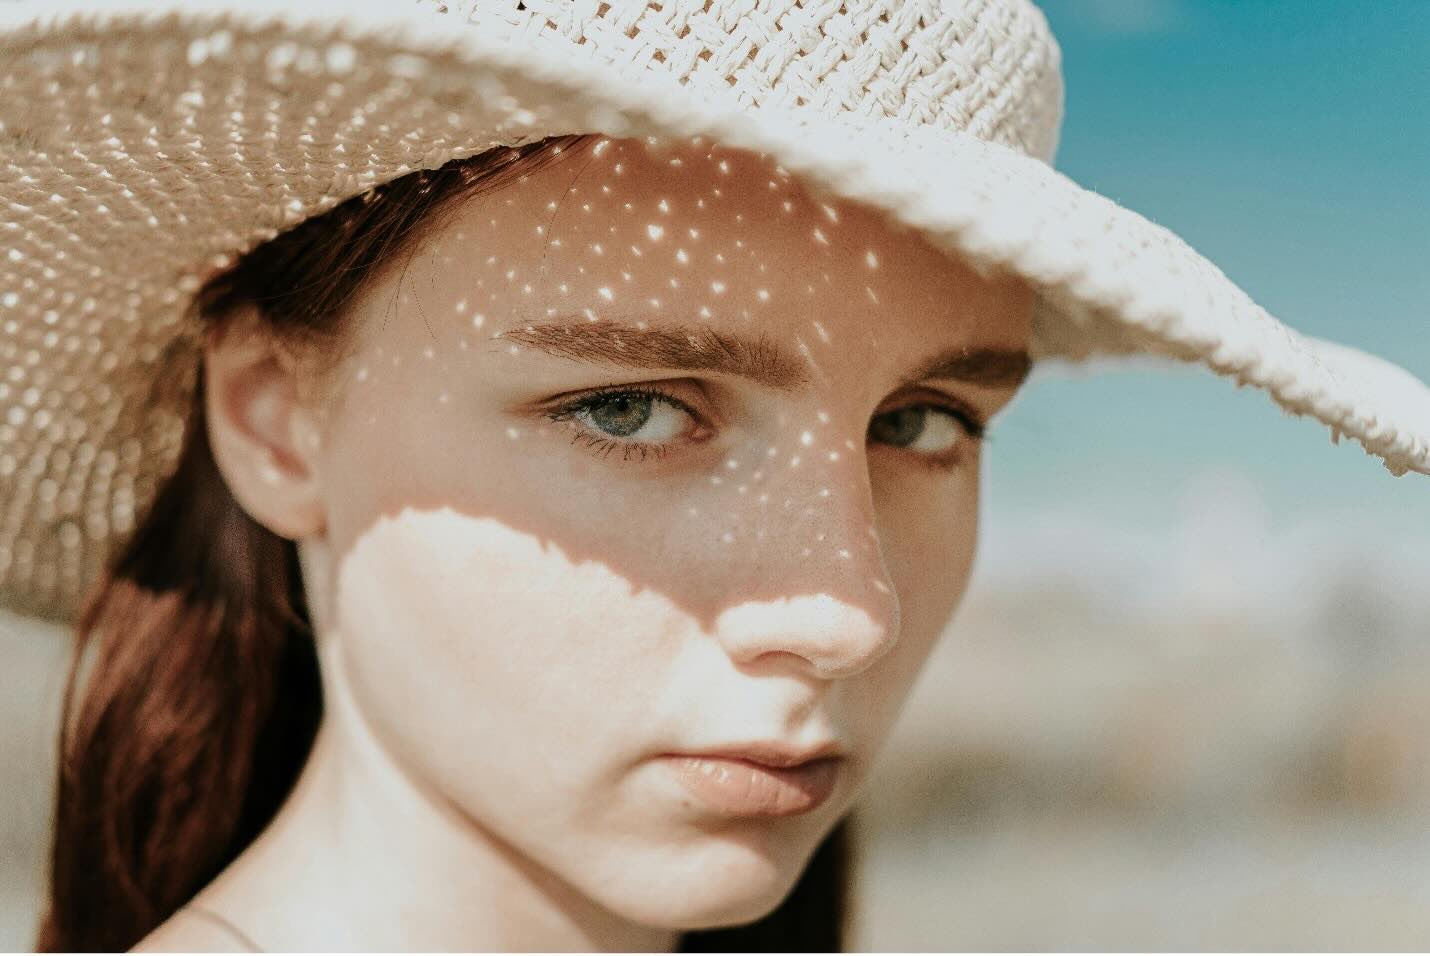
[739,787]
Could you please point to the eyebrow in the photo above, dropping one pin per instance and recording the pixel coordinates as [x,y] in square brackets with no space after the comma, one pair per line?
[990,367]
[654,347]
[759,359]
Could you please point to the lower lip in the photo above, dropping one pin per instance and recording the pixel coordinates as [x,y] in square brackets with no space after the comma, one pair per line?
[745,788]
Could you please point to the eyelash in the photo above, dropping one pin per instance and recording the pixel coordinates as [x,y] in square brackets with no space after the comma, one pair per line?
[603,445]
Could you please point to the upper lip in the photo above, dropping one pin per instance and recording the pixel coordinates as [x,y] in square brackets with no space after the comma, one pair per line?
[772,753]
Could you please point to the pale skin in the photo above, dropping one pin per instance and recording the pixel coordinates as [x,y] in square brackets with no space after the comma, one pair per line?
[518,609]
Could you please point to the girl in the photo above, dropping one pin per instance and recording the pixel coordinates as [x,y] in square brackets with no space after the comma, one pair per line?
[508,465]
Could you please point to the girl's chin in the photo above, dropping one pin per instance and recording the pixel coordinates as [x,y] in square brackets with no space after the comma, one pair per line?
[727,882]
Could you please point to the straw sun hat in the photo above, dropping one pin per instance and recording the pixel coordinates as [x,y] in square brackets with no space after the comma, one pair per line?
[144,145]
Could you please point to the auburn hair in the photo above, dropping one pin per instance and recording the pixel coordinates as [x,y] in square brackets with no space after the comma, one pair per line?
[194,697]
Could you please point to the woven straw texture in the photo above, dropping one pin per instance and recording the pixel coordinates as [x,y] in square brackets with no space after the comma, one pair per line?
[143,147]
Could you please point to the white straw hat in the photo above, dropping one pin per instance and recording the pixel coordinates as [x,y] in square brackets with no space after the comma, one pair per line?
[144,145]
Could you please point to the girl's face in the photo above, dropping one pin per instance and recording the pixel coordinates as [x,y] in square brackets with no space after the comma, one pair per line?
[652,452]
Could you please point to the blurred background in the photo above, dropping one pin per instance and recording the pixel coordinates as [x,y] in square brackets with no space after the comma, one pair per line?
[1186,704]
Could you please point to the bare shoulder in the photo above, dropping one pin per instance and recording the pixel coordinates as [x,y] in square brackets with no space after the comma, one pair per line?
[189,931]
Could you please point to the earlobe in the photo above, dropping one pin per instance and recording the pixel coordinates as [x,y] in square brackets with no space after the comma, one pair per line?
[263,436]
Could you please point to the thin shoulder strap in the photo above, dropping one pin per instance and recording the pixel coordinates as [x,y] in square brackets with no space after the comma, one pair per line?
[239,935]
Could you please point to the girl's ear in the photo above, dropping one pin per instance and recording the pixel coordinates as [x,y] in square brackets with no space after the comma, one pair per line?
[264,438]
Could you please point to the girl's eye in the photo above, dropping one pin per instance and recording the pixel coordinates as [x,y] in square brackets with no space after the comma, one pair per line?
[642,421]
[639,421]
[640,417]
[926,429]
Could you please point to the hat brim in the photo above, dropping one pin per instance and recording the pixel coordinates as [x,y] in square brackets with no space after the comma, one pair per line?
[145,146]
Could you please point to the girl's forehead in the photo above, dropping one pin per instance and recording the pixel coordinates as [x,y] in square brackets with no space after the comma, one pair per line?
[685,206]
[626,230]
[681,205]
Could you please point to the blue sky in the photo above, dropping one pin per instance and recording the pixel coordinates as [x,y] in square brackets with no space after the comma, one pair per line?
[1289,142]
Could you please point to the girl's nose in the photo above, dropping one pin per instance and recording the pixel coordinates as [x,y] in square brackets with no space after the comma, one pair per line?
[833,637]
[817,586]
